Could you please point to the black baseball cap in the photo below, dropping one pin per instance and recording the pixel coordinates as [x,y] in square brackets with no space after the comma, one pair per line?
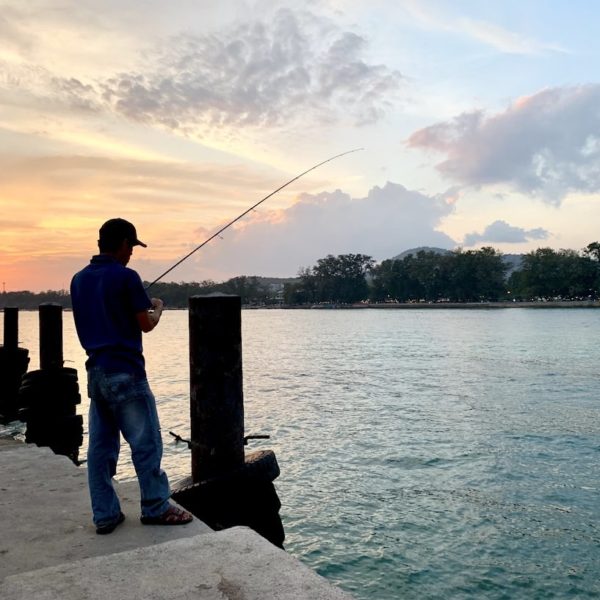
[117,230]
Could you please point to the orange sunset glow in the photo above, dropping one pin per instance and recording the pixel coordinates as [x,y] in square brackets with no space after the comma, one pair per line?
[179,119]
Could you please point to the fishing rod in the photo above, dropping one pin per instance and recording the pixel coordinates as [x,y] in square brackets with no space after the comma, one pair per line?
[212,237]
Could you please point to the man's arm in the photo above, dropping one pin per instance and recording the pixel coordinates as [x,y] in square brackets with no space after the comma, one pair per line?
[148,319]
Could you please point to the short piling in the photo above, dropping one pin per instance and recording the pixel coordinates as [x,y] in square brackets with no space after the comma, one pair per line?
[11,328]
[48,397]
[13,365]
[226,487]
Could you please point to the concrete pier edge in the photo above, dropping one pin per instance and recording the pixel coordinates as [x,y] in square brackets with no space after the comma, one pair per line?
[49,548]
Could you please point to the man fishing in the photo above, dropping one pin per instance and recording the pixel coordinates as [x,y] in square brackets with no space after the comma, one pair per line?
[111,310]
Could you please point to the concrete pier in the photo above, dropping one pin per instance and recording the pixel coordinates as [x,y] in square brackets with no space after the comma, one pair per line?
[49,548]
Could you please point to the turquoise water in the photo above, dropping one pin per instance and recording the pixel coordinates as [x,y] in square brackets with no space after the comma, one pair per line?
[424,453]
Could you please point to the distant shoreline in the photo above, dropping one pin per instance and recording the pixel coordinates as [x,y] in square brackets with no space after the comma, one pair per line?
[405,305]
[441,305]
[491,305]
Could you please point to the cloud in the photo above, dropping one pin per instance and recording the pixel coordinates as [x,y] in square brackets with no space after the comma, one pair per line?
[508,42]
[75,94]
[546,145]
[28,85]
[490,34]
[12,34]
[270,72]
[55,204]
[257,74]
[173,207]
[389,220]
[500,232]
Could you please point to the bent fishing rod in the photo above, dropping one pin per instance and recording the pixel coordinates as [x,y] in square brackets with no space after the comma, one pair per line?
[212,237]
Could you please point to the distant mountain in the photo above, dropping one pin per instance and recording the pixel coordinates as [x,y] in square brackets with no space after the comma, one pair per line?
[513,261]
[276,281]
[415,251]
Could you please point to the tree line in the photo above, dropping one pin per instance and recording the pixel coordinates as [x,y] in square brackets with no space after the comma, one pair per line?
[253,290]
[427,276]
[457,276]
[31,300]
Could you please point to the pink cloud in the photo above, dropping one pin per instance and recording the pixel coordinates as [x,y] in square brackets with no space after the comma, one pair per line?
[546,144]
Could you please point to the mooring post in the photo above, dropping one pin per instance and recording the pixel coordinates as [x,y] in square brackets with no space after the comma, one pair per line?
[13,364]
[11,328]
[48,397]
[216,386]
[227,487]
[51,336]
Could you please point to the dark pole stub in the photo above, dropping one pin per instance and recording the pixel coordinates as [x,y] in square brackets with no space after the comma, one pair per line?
[11,328]
[216,387]
[51,336]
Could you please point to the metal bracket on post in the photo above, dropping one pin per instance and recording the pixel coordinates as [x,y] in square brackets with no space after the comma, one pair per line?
[255,437]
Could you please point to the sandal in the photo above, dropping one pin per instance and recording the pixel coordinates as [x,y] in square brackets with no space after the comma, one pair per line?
[110,527]
[172,516]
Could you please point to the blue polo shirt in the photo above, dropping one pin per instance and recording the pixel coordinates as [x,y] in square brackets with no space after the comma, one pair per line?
[106,296]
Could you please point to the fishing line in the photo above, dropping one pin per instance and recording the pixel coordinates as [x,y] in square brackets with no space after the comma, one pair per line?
[246,212]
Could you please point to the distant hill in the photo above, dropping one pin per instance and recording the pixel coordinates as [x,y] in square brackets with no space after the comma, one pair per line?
[415,251]
[513,261]
[274,280]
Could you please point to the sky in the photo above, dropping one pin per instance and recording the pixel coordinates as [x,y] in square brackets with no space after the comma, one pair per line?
[478,123]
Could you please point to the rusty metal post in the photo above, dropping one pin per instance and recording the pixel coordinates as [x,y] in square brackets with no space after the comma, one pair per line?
[216,386]
[51,336]
[11,328]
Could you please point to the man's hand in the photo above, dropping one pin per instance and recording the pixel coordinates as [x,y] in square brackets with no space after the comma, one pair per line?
[148,319]
[157,303]
[156,311]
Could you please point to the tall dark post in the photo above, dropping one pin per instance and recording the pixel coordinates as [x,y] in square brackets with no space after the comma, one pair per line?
[51,336]
[11,328]
[216,386]
[227,487]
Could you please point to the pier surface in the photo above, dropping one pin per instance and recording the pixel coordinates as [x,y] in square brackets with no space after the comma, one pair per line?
[49,548]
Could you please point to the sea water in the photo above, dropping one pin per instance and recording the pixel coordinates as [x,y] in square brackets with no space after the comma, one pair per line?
[423,453]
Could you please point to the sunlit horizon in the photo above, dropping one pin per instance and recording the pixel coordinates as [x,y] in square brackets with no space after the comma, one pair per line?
[479,124]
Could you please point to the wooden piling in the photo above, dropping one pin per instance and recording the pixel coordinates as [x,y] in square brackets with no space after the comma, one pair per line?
[48,397]
[13,364]
[216,387]
[11,328]
[227,488]
[51,336]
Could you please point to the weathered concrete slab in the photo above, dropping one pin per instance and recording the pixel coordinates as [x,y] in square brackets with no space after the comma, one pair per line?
[49,549]
[8,443]
[236,564]
[45,515]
